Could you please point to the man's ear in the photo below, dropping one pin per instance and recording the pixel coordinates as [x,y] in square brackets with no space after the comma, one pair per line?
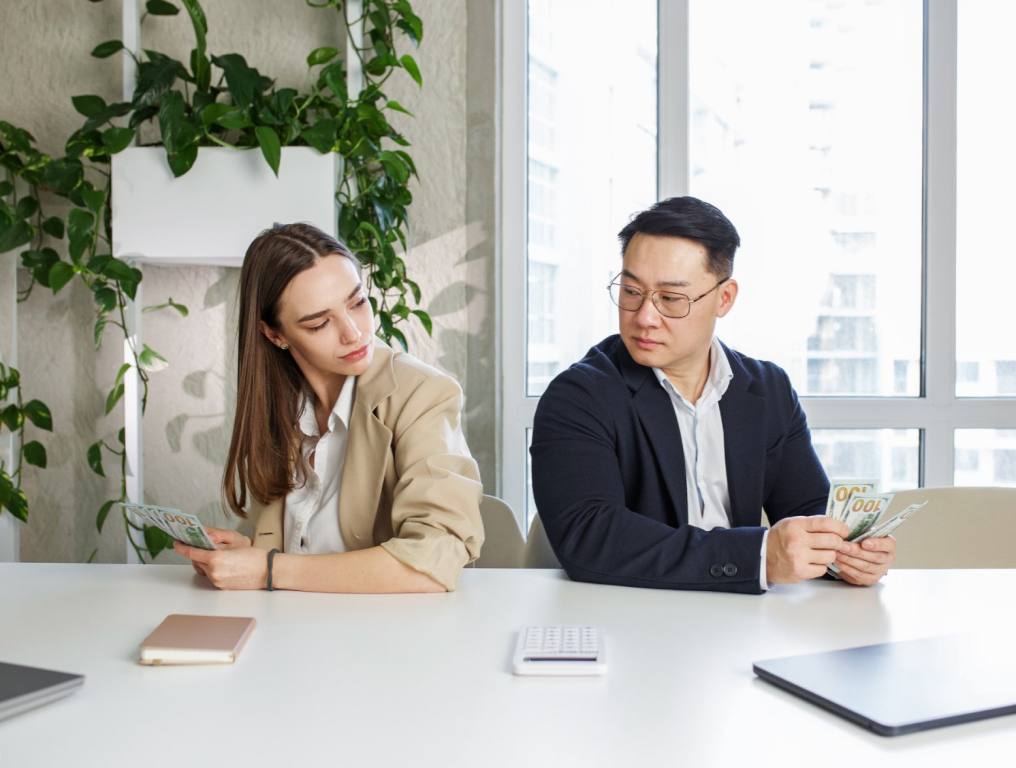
[728,295]
[271,334]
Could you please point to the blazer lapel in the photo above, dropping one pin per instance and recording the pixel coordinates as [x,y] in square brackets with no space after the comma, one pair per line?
[656,414]
[743,444]
[367,450]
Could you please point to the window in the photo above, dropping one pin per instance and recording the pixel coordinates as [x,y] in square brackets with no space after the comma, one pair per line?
[864,160]
[985,164]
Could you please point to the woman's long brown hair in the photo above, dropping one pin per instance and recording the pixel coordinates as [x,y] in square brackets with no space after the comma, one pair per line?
[264,453]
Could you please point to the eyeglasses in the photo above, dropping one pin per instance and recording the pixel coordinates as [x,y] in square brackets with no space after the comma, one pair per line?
[667,303]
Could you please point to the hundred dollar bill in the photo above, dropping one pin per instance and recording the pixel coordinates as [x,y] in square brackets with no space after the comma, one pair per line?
[840,492]
[178,524]
[863,511]
[885,527]
[882,528]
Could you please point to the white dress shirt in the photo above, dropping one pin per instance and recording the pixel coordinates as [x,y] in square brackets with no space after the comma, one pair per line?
[705,462]
[311,522]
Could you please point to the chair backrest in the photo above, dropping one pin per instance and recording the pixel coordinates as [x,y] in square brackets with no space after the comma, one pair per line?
[539,553]
[503,546]
[960,528]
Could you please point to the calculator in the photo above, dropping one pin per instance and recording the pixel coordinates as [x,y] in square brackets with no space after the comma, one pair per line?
[563,649]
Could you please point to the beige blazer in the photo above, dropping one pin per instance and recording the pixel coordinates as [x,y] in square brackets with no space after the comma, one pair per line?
[409,483]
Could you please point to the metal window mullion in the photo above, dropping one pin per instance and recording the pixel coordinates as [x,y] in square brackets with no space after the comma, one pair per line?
[511,255]
[672,98]
[133,388]
[940,80]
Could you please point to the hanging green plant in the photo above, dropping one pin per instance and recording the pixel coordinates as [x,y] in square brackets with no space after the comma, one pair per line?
[220,100]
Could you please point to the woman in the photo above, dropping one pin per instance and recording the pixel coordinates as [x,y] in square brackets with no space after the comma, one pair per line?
[350,453]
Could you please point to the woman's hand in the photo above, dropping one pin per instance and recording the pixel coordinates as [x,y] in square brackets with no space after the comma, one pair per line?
[226,538]
[241,567]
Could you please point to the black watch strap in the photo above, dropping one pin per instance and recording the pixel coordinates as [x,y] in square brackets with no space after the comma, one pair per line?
[271,559]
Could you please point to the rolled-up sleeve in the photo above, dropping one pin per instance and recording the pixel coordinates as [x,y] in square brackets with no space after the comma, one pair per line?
[436,499]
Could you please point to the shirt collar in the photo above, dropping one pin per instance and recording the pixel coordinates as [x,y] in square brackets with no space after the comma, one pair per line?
[720,375]
[341,411]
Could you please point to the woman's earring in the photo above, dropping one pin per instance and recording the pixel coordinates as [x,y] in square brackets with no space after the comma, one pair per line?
[283,347]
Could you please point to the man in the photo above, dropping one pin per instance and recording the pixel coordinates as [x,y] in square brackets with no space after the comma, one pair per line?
[654,456]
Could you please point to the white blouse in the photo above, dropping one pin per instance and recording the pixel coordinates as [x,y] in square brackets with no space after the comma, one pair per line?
[311,522]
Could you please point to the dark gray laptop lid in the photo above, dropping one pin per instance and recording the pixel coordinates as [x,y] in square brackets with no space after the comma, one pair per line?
[895,688]
[22,687]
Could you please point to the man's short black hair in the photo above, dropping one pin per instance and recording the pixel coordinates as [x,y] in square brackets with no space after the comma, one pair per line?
[693,219]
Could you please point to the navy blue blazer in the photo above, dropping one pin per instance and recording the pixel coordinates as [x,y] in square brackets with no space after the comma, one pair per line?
[609,476]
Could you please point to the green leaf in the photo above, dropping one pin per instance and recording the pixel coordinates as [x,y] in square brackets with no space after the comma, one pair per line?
[321,56]
[100,519]
[181,162]
[13,498]
[170,303]
[415,289]
[271,146]
[428,324]
[59,275]
[27,206]
[321,135]
[171,121]
[121,436]
[156,540]
[117,139]
[94,456]
[63,175]
[35,453]
[409,64]
[6,188]
[18,233]
[200,65]
[155,77]
[119,270]
[54,227]
[94,199]
[151,360]
[212,112]
[12,418]
[400,337]
[89,106]
[113,398]
[99,329]
[38,413]
[121,373]
[106,298]
[243,81]
[234,119]
[397,107]
[161,8]
[107,49]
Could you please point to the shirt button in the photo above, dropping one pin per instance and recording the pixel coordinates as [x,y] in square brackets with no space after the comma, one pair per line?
[729,569]
[716,570]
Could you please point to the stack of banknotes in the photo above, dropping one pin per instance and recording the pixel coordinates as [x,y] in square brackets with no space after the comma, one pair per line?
[864,510]
[180,525]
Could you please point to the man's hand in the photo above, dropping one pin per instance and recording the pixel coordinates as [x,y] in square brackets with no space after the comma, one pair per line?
[800,548]
[865,563]
[238,568]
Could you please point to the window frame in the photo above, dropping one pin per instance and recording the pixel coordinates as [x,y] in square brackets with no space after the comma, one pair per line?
[937,411]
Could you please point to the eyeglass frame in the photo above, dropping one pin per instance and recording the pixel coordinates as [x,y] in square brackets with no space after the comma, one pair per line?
[652,297]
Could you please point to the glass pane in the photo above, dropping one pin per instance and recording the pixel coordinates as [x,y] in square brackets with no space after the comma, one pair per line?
[812,147]
[985,457]
[986,164]
[591,164]
[891,455]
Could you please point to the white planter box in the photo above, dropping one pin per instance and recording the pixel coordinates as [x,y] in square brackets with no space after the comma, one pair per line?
[209,215]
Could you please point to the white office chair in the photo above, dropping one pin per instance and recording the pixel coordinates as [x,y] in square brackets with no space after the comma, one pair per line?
[960,528]
[503,546]
[539,553]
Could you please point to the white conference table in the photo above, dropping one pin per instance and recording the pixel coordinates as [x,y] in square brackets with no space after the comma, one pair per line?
[425,680]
